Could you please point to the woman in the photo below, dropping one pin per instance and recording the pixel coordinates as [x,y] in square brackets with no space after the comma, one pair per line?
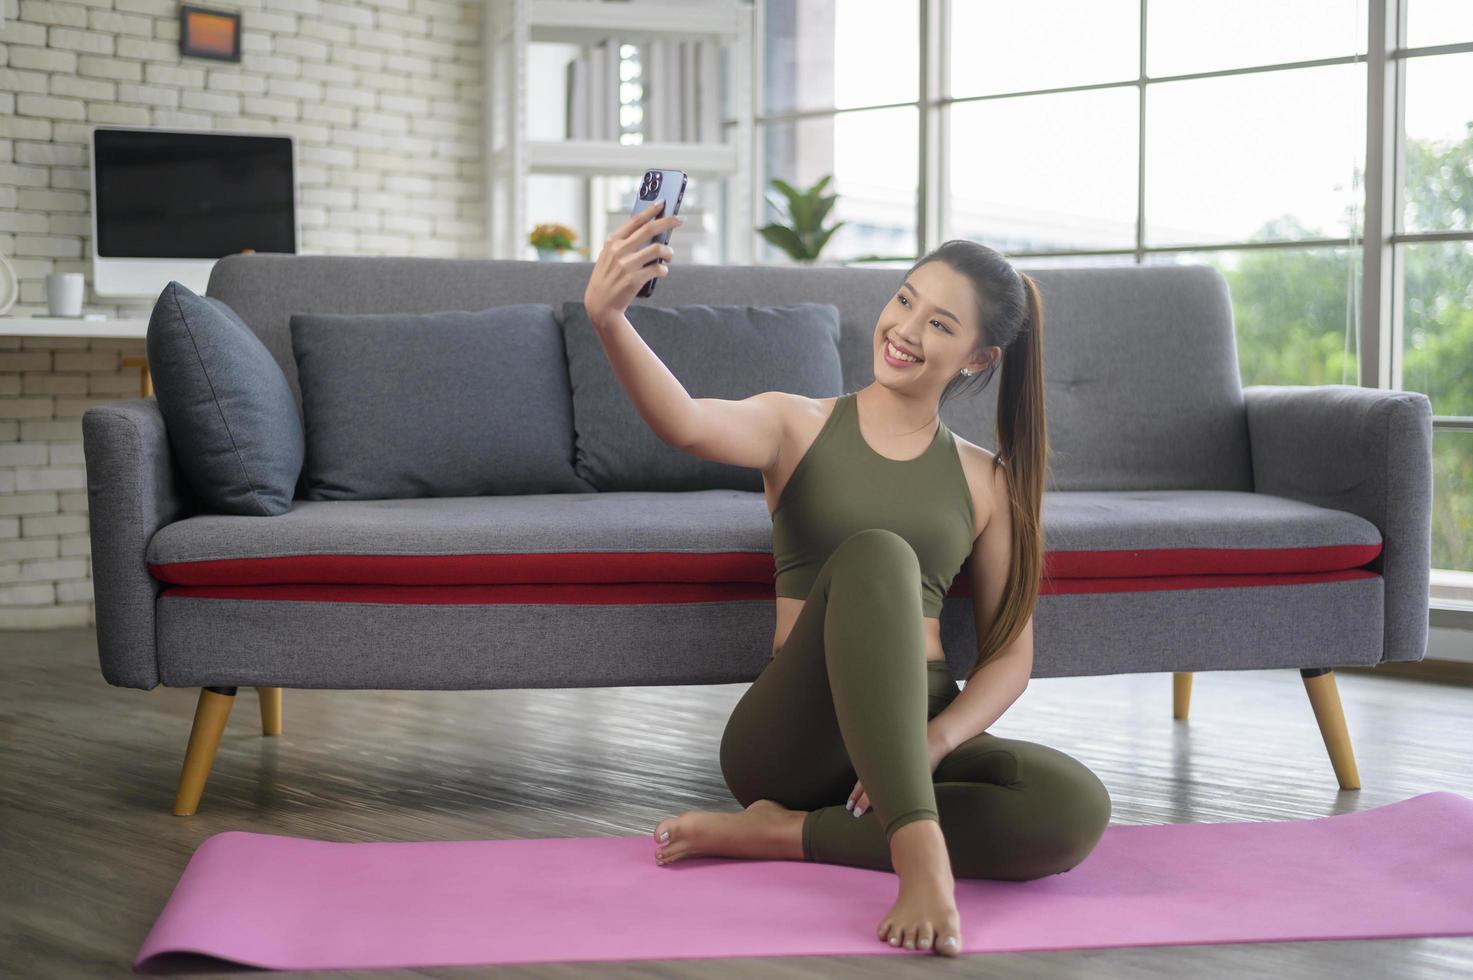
[876,504]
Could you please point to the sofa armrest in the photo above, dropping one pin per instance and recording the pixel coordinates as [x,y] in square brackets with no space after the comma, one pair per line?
[1363,450]
[133,489]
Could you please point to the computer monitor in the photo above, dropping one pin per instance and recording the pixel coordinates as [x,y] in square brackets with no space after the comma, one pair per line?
[167,203]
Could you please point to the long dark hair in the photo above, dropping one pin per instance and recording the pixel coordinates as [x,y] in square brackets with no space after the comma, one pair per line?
[1010,311]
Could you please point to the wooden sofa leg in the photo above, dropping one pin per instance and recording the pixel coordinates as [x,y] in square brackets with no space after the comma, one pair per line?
[210,715]
[270,698]
[1181,693]
[1324,697]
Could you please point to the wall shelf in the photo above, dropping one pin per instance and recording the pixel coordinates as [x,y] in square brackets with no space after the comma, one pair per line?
[591,157]
[509,27]
[589,21]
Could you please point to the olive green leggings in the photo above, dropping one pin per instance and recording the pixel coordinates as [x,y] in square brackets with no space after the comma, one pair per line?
[848,698]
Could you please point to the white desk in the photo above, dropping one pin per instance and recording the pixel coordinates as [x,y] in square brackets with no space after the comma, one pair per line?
[74,326]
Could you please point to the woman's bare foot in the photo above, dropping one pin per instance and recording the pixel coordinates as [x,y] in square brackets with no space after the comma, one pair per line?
[766,829]
[924,915]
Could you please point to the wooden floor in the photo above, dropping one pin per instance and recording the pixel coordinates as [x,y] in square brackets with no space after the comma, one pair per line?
[90,850]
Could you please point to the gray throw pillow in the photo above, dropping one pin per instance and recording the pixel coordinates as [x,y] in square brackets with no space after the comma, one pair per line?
[729,352]
[447,404]
[231,419]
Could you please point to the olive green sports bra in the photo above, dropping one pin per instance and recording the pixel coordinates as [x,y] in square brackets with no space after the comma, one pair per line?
[841,485]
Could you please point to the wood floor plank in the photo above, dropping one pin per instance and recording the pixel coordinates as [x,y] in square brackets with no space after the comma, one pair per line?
[91,850]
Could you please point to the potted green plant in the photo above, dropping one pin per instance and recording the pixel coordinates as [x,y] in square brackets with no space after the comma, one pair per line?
[551,240]
[803,237]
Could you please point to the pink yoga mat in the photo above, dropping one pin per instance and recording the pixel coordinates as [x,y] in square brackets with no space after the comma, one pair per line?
[263,900]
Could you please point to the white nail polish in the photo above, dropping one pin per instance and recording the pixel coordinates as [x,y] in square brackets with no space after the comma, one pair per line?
[849,804]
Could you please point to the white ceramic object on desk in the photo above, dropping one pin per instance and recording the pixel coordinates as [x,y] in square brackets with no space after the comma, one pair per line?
[64,291]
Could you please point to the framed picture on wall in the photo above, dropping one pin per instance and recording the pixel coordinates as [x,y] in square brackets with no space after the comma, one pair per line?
[207,33]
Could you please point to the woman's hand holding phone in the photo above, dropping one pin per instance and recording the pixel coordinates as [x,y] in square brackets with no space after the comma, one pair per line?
[622,267]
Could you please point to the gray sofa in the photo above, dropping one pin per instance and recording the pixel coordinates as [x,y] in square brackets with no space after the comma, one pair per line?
[1190,524]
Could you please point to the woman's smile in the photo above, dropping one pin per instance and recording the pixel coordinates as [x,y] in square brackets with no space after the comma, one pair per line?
[891,358]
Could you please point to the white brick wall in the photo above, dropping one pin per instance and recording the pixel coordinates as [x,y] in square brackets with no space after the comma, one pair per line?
[383,97]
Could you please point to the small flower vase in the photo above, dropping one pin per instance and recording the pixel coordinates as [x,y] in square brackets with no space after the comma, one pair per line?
[549,255]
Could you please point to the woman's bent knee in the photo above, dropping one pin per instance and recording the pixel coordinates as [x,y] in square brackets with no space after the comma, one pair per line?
[1083,813]
[879,541]
[1059,813]
[874,555]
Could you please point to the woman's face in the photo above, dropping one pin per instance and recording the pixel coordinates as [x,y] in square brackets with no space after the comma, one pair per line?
[933,316]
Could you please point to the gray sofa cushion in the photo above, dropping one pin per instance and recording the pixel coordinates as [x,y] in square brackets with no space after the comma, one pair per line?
[448,404]
[231,419]
[1094,539]
[716,352]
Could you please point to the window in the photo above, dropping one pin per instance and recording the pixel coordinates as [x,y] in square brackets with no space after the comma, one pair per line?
[1094,132]
[830,70]
[1432,265]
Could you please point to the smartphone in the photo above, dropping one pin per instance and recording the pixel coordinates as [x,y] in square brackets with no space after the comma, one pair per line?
[667,187]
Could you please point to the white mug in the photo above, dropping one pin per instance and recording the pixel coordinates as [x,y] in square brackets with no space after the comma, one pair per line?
[64,293]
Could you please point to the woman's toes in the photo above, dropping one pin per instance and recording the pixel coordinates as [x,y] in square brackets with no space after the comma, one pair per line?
[666,832]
